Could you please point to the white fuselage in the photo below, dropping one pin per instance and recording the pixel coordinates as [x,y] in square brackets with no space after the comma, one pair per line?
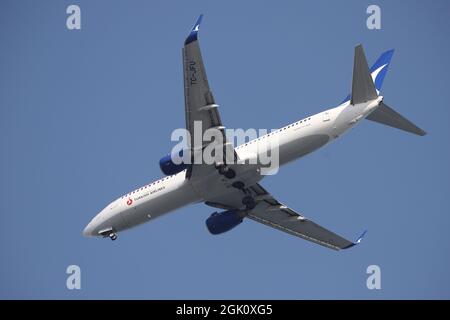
[172,192]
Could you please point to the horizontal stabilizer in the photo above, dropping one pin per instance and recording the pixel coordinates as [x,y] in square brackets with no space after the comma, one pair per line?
[363,88]
[387,116]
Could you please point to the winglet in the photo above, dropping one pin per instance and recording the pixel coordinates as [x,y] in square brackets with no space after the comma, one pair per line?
[358,240]
[361,237]
[193,35]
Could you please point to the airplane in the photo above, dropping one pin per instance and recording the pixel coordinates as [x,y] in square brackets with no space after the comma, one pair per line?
[233,186]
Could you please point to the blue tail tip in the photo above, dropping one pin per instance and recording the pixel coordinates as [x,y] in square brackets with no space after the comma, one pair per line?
[193,34]
[385,58]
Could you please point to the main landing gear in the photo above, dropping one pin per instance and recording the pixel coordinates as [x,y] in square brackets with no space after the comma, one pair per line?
[226,171]
[238,185]
[249,202]
[229,173]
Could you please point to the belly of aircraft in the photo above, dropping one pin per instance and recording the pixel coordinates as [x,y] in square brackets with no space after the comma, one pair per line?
[297,148]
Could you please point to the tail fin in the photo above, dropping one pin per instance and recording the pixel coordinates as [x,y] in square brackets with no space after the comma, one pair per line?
[363,88]
[367,85]
[378,71]
[385,115]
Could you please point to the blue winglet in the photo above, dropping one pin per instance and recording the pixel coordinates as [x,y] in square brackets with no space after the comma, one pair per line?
[358,240]
[361,237]
[193,35]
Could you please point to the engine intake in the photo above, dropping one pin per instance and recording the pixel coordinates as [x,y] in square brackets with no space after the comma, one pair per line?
[220,222]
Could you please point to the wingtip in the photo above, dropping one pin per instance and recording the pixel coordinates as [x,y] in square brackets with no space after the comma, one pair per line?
[194,31]
[422,132]
[199,19]
[361,237]
[358,240]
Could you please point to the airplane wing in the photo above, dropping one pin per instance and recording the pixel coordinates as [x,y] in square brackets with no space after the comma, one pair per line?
[200,105]
[272,213]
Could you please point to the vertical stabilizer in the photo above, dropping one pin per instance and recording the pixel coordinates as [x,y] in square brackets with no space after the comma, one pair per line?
[363,88]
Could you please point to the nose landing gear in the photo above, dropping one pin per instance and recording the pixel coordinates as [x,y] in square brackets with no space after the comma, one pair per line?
[110,233]
[113,236]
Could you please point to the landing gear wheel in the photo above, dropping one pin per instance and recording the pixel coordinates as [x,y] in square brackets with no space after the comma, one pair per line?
[222,169]
[230,174]
[113,236]
[226,171]
[238,185]
[249,202]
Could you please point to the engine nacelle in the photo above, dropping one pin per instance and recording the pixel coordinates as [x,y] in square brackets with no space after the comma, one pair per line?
[220,222]
[169,167]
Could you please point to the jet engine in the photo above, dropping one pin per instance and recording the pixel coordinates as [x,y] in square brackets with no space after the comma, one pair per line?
[169,166]
[220,222]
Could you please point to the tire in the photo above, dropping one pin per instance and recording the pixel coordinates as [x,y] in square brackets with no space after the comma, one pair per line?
[249,202]
[238,185]
[223,169]
[230,174]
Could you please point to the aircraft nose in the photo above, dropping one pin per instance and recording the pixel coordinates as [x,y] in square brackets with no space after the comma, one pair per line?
[88,230]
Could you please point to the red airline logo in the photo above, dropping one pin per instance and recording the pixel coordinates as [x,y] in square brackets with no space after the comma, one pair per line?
[129,201]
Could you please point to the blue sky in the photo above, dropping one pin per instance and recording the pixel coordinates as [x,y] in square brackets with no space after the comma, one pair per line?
[85,116]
